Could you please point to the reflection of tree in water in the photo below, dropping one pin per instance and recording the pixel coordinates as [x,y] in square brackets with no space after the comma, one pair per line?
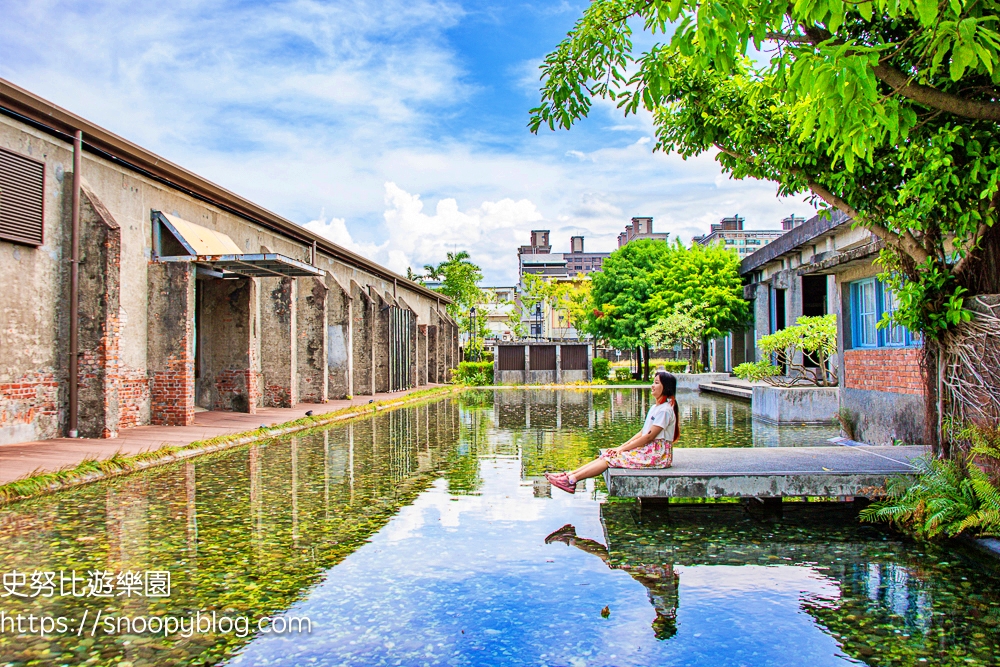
[898,603]
[660,580]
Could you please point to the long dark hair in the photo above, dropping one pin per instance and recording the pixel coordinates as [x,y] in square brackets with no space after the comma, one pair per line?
[669,383]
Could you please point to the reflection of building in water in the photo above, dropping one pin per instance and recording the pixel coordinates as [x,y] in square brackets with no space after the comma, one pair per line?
[127,524]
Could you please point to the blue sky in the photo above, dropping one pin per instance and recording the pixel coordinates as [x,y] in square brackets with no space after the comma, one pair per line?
[397,128]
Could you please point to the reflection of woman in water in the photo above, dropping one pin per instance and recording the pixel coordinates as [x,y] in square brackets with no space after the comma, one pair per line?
[652,447]
[661,581]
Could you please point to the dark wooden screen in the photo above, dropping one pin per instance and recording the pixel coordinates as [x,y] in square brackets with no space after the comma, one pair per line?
[511,358]
[543,357]
[573,357]
[22,198]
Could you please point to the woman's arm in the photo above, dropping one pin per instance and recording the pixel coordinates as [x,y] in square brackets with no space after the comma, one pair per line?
[640,440]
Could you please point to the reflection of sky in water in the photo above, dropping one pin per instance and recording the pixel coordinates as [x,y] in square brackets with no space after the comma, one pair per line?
[478,563]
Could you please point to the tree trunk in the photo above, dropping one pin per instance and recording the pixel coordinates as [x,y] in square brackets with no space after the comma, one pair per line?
[645,370]
[929,367]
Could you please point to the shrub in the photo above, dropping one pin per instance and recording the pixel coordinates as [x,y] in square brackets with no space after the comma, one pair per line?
[815,337]
[623,374]
[949,496]
[675,366]
[756,371]
[601,366]
[475,373]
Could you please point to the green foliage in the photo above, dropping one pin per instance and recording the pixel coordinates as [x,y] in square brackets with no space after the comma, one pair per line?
[884,110]
[474,373]
[813,336]
[459,281]
[601,367]
[623,374]
[674,366]
[756,371]
[949,496]
[645,282]
[679,328]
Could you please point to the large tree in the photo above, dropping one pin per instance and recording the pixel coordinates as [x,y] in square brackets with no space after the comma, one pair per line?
[459,279]
[887,110]
[646,281]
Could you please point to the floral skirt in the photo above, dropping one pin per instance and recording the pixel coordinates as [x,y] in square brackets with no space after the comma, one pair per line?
[657,454]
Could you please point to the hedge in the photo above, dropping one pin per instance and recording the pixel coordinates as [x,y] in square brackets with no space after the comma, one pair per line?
[601,367]
[477,373]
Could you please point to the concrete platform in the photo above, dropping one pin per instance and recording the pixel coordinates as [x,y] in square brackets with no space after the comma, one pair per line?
[766,472]
[22,459]
[726,388]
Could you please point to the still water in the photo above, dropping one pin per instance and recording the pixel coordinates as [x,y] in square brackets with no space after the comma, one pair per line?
[427,536]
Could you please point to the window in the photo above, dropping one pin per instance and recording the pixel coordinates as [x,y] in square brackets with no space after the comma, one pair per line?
[871,300]
[866,315]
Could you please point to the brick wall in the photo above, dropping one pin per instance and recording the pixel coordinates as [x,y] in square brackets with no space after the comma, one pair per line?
[31,399]
[891,370]
[133,398]
[172,394]
[237,390]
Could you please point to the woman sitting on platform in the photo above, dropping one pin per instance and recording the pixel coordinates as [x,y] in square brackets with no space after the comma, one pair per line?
[649,448]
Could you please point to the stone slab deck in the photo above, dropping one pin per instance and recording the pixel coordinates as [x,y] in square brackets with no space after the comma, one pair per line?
[21,459]
[768,472]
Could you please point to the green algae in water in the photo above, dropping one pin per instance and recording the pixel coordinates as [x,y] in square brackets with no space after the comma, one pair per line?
[418,537]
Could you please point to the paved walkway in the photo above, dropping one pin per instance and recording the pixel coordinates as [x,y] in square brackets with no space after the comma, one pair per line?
[23,458]
[768,472]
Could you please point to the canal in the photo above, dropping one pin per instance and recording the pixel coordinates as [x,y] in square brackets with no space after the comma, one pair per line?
[428,536]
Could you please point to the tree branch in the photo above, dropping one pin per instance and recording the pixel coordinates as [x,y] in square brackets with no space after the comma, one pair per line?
[934,98]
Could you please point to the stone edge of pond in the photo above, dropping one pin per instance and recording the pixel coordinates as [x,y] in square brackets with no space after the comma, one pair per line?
[95,470]
[983,546]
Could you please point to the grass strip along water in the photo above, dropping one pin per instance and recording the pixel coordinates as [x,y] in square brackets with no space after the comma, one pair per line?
[93,470]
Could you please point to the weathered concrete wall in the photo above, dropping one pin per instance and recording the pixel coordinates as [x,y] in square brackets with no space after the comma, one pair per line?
[279,342]
[363,335]
[880,417]
[100,276]
[312,348]
[383,304]
[338,340]
[796,405]
[422,354]
[229,372]
[171,344]
[433,355]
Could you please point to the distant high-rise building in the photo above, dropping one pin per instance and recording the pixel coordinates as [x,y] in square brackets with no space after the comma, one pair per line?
[729,231]
[539,259]
[641,228]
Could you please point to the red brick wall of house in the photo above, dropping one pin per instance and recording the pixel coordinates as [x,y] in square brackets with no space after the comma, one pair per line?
[172,394]
[29,398]
[894,370]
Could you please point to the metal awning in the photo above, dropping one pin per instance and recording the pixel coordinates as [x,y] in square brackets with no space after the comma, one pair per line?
[270,265]
[217,255]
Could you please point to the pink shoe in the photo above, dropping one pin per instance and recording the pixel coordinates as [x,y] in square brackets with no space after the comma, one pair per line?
[561,482]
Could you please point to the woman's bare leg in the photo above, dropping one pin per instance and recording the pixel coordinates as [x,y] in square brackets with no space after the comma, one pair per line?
[592,469]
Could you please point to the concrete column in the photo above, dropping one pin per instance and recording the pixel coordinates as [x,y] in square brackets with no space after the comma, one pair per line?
[527,363]
[338,340]
[229,367]
[590,366]
[362,340]
[311,330]
[422,361]
[383,307]
[433,358]
[279,342]
[99,328]
[170,343]
[558,363]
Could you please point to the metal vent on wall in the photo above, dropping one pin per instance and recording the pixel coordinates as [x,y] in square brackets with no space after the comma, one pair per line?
[22,198]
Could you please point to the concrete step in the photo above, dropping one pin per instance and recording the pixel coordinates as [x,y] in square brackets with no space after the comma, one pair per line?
[720,387]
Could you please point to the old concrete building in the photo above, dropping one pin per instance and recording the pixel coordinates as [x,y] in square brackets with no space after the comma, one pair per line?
[825,265]
[162,293]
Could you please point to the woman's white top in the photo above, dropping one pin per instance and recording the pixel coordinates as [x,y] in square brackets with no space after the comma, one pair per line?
[662,415]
